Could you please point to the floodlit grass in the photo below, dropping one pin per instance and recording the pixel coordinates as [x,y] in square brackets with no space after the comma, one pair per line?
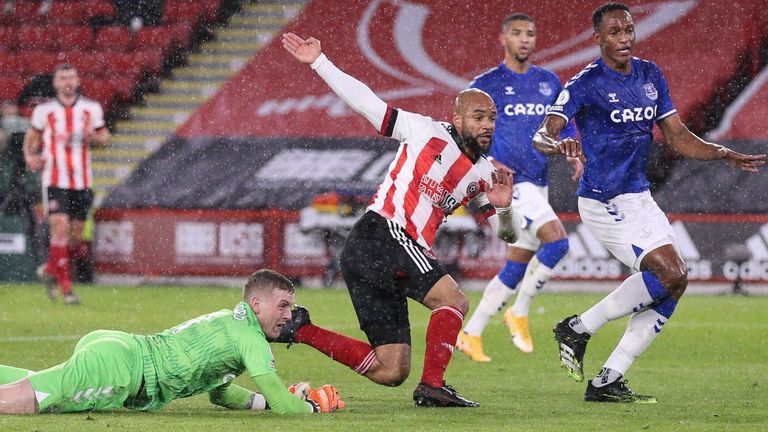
[708,368]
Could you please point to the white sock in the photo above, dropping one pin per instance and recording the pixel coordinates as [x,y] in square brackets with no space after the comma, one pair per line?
[605,377]
[642,329]
[494,298]
[536,275]
[631,296]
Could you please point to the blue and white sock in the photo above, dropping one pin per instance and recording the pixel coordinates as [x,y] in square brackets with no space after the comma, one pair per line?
[636,293]
[495,296]
[642,329]
[537,274]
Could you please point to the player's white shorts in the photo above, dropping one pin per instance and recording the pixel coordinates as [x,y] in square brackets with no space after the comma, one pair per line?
[531,202]
[629,226]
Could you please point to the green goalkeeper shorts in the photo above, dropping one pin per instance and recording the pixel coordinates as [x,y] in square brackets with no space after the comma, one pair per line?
[105,369]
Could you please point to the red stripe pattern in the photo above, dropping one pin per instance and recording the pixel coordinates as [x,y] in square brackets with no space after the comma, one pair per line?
[67,155]
[429,179]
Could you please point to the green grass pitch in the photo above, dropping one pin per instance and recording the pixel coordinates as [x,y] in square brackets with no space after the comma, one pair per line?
[708,368]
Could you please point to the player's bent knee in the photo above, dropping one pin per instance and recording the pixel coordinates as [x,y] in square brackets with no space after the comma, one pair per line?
[462,303]
[391,376]
[675,280]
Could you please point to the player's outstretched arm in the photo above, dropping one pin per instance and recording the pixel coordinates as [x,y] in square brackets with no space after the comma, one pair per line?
[546,139]
[232,396]
[354,93]
[691,146]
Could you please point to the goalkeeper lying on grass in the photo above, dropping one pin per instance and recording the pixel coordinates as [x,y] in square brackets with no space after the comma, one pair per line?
[111,369]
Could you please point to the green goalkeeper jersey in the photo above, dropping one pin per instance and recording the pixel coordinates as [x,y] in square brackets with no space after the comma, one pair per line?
[204,353]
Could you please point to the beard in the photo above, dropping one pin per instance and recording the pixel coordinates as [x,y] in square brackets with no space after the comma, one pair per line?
[473,147]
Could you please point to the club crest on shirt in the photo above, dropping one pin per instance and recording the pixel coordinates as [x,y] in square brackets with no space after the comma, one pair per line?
[545,89]
[650,91]
[472,190]
[239,313]
[612,98]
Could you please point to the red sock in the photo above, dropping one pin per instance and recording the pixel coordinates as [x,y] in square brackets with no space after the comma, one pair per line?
[58,265]
[353,353]
[442,331]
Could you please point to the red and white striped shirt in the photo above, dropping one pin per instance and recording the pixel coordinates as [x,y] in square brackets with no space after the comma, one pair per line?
[67,156]
[429,178]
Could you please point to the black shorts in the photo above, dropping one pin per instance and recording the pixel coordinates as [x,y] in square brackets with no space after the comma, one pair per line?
[72,202]
[382,267]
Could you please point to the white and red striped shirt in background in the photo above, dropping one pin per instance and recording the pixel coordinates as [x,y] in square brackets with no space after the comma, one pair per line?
[67,156]
[429,178]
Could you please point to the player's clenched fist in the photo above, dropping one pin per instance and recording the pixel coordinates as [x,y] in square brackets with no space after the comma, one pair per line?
[325,399]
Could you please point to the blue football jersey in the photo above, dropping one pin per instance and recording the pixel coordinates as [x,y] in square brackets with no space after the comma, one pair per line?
[615,114]
[522,100]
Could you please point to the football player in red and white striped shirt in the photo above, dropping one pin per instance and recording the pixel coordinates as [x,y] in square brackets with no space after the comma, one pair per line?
[387,256]
[58,141]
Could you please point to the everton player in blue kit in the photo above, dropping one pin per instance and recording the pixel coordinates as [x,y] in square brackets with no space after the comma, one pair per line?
[615,101]
[522,93]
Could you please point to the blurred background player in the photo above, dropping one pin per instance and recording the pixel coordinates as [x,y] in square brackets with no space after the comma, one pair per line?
[615,101]
[111,369]
[58,142]
[387,256]
[522,93]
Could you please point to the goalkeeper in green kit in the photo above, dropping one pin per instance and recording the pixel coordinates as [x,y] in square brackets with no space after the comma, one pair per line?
[111,369]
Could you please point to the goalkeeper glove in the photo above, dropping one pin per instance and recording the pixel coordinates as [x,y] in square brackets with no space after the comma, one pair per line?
[325,399]
[300,389]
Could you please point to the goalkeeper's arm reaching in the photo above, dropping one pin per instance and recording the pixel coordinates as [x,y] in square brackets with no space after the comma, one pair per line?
[298,398]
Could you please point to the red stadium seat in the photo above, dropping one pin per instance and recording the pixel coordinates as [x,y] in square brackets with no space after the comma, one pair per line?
[182,33]
[122,64]
[88,65]
[10,88]
[151,59]
[9,40]
[181,11]
[25,12]
[37,38]
[210,10]
[95,8]
[123,87]
[100,90]
[75,38]
[159,38]
[38,62]
[10,64]
[70,12]
[114,39]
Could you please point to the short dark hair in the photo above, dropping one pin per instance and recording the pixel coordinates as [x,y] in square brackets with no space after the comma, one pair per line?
[63,67]
[597,15]
[515,16]
[264,279]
